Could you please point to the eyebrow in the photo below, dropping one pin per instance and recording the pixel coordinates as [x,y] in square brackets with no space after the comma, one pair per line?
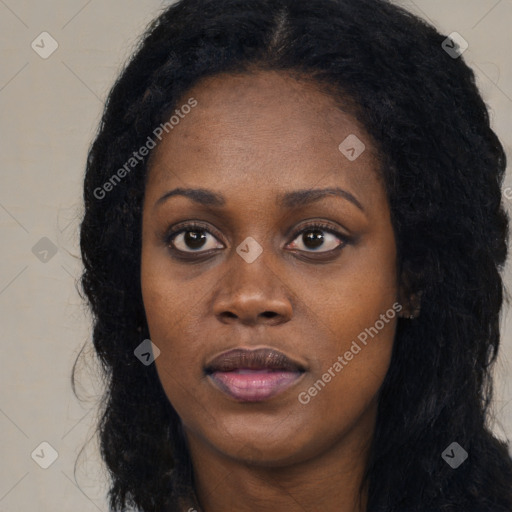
[292,199]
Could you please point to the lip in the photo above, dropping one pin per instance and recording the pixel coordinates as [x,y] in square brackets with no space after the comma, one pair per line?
[253,375]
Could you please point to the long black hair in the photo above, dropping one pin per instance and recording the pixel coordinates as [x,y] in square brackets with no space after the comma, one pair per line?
[442,166]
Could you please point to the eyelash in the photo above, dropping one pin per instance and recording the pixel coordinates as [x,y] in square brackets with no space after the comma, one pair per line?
[195,226]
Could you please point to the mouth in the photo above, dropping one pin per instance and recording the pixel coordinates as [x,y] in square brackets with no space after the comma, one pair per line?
[253,375]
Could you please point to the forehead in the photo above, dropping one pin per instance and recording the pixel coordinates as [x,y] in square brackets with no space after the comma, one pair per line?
[262,131]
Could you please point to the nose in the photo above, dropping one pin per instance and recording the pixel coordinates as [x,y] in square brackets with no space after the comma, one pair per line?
[251,294]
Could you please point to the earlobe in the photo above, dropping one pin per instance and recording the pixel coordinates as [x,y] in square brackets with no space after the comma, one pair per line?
[416,302]
[413,306]
[411,302]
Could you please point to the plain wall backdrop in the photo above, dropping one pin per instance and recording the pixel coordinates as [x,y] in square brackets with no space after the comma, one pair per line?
[50,110]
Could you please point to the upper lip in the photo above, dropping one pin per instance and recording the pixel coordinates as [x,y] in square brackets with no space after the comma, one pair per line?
[252,359]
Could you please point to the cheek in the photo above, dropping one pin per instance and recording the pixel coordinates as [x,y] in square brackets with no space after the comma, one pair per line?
[178,366]
[347,373]
[175,312]
[168,315]
[169,298]
[167,308]
[359,290]
[357,306]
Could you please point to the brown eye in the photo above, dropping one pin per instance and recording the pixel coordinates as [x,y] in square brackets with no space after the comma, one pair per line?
[193,239]
[318,238]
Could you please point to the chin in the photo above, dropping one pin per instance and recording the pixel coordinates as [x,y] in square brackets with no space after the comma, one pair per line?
[264,444]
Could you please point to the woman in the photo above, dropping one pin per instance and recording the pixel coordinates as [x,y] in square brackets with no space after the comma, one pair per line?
[292,241]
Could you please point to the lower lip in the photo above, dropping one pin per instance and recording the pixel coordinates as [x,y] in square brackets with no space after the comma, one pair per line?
[254,386]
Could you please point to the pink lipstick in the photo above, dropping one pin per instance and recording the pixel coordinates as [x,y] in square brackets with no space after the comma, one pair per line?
[253,375]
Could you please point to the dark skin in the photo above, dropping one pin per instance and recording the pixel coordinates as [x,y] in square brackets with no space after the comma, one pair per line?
[253,138]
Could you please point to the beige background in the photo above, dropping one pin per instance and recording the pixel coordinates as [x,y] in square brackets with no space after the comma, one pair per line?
[51,108]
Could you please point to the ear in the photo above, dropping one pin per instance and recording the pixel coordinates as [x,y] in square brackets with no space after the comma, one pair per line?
[410,301]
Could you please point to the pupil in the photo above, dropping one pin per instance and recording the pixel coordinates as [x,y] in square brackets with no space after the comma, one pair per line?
[193,240]
[314,238]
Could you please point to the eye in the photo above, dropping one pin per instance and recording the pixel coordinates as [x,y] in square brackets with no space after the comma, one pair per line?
[192,238]
[319,238]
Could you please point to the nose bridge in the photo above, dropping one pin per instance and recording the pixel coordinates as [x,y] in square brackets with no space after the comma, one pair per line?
[250,289]
[250,269]
[250,266]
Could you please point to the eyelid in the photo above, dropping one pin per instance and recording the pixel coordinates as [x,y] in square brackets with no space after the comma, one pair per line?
[200,226]
[320,226]
[189,226]
[323,225]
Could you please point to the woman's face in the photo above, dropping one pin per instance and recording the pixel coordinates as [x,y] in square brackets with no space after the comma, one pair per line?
[263,148]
